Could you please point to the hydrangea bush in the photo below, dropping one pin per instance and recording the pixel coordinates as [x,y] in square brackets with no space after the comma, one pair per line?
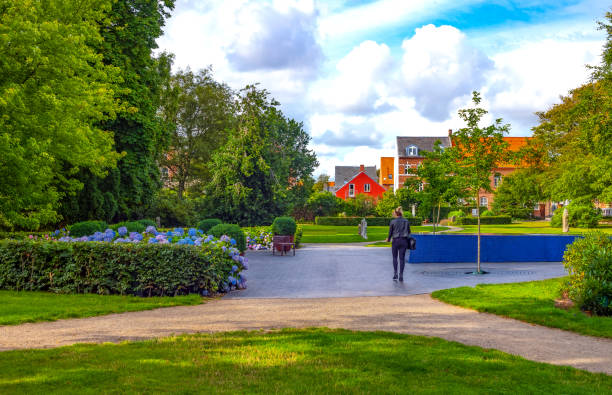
[259,238]
[223,246]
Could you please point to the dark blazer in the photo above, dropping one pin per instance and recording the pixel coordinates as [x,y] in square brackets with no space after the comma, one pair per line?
[399,227]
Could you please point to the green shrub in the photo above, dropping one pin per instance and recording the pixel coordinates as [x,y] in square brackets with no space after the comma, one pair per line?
[87,228]
[22,235]
[206,224]
[284,226]
[495,220]
[231,230]
[588,261]
[456,214]
[579,216]
[132,226]
[147,222]
[298,236]
[487,213]
[107,268]
[354,221]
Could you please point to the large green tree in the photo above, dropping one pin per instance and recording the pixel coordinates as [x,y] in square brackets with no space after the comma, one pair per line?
[255,175]
[518,194]
[476,152]
[202,111]
[129,33]
[56,95]
[577,136]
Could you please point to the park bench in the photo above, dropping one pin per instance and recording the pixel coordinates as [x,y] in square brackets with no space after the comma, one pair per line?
[282,244]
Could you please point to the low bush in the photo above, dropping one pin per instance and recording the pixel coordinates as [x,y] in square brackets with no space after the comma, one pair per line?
[588,261]
[231,230]
[487,213]
[494,220]
[298,236]
[108,268]
[206,224]
[456,214]
[354,221]
[284,226]
[131,226]
[147,222]
[258,237]
[579,216]
[87,228]
[21,235]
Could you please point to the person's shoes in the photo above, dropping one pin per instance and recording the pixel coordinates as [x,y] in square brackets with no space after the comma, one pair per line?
[395,277]
[401,279]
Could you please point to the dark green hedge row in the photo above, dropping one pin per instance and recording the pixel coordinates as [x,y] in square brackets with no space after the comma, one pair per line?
[354,221]
[19,235]
[103,268]
[494,220]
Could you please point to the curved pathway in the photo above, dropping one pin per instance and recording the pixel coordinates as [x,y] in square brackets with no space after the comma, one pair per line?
[417,314]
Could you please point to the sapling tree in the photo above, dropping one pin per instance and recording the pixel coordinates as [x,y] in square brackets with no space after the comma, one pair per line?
[476,152]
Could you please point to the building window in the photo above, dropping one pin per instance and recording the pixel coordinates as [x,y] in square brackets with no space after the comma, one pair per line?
[484,201]
[164,172]
[351,190]
[496,181]
[413,150]
[420,187]
[406,167]
[390,176]
[366,187]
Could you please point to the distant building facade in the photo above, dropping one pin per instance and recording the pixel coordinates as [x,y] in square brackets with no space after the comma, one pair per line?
[387,172]
[360,183]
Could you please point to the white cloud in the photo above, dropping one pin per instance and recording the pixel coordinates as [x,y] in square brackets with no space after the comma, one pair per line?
[439,67]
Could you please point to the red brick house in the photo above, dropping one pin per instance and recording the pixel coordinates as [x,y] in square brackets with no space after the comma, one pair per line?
[361,183]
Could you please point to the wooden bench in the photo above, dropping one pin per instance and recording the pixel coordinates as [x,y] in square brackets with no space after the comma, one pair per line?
[282,244]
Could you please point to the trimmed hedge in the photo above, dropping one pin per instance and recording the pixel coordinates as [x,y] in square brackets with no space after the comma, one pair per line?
[20,235]
[132,226]
[87,228]
[354,221]
[233,231]
[206,224]
[147,222]
[494,220]
[285,226]
[105,268]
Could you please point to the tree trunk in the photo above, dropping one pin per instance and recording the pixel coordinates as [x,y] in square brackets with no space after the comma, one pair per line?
[433,219]
[438,220]
[478,215]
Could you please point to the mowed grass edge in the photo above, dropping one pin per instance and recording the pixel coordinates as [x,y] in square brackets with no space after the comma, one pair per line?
[287,361]
[18,307]
[348,234]
[532,302]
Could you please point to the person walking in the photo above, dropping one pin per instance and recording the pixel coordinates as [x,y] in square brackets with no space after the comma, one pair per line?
[399,232]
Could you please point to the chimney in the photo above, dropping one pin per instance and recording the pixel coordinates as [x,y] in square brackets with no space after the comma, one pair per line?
[450,132]
[361,168]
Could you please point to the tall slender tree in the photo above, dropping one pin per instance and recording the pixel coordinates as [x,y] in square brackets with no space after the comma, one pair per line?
[476,152]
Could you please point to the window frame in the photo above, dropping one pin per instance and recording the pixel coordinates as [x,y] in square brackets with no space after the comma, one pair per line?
[412,150]
[367,188]
[486,201]
[351,190]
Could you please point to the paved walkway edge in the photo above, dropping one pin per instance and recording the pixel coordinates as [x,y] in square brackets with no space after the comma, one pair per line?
[415,314]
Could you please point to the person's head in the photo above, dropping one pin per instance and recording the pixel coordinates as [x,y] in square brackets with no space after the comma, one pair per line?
[398,212]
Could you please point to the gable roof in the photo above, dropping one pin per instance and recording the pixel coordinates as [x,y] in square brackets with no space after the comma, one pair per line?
[421,142]
[344,174]
[357,175]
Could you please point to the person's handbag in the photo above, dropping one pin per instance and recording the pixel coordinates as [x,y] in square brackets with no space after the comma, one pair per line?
[411,243]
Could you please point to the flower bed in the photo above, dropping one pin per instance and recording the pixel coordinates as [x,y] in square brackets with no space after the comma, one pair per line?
[259,238]
[149,263]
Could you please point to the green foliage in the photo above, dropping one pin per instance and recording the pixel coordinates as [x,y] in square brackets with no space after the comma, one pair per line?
[354,221]
[285,226]
[323,204]
[361,205]
[589,264]
[173,211]
[518,194]
[298,236]
[256,175]
[129,32]
[231,230]
[456,214]
[87,228]
[205,224]
[132,226]
[321,182]
[55,91]
[106,268]
[490,220]
[580,215]
[147,222]
[202,110]
[487,213]
[575,136]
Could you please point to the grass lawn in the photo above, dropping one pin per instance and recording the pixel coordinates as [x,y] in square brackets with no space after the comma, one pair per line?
[348,234]
[287,361]
[530,302]
[19,307]
[528,227]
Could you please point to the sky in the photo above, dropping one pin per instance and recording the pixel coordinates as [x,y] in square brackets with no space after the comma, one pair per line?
[358,73]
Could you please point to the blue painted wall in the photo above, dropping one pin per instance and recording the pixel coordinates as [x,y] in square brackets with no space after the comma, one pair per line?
[462,248]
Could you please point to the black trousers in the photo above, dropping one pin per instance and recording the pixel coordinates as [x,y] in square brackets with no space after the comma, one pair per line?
[398,249]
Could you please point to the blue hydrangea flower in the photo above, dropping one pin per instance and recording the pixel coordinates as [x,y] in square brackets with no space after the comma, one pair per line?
[180,231]
[151,229]
[233,242]
[152,240]
[192,232]
[234,268]
[205,292]
[168,233]
[231,280]
[122,231]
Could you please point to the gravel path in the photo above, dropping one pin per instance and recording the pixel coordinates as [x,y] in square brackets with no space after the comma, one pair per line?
[415,314]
